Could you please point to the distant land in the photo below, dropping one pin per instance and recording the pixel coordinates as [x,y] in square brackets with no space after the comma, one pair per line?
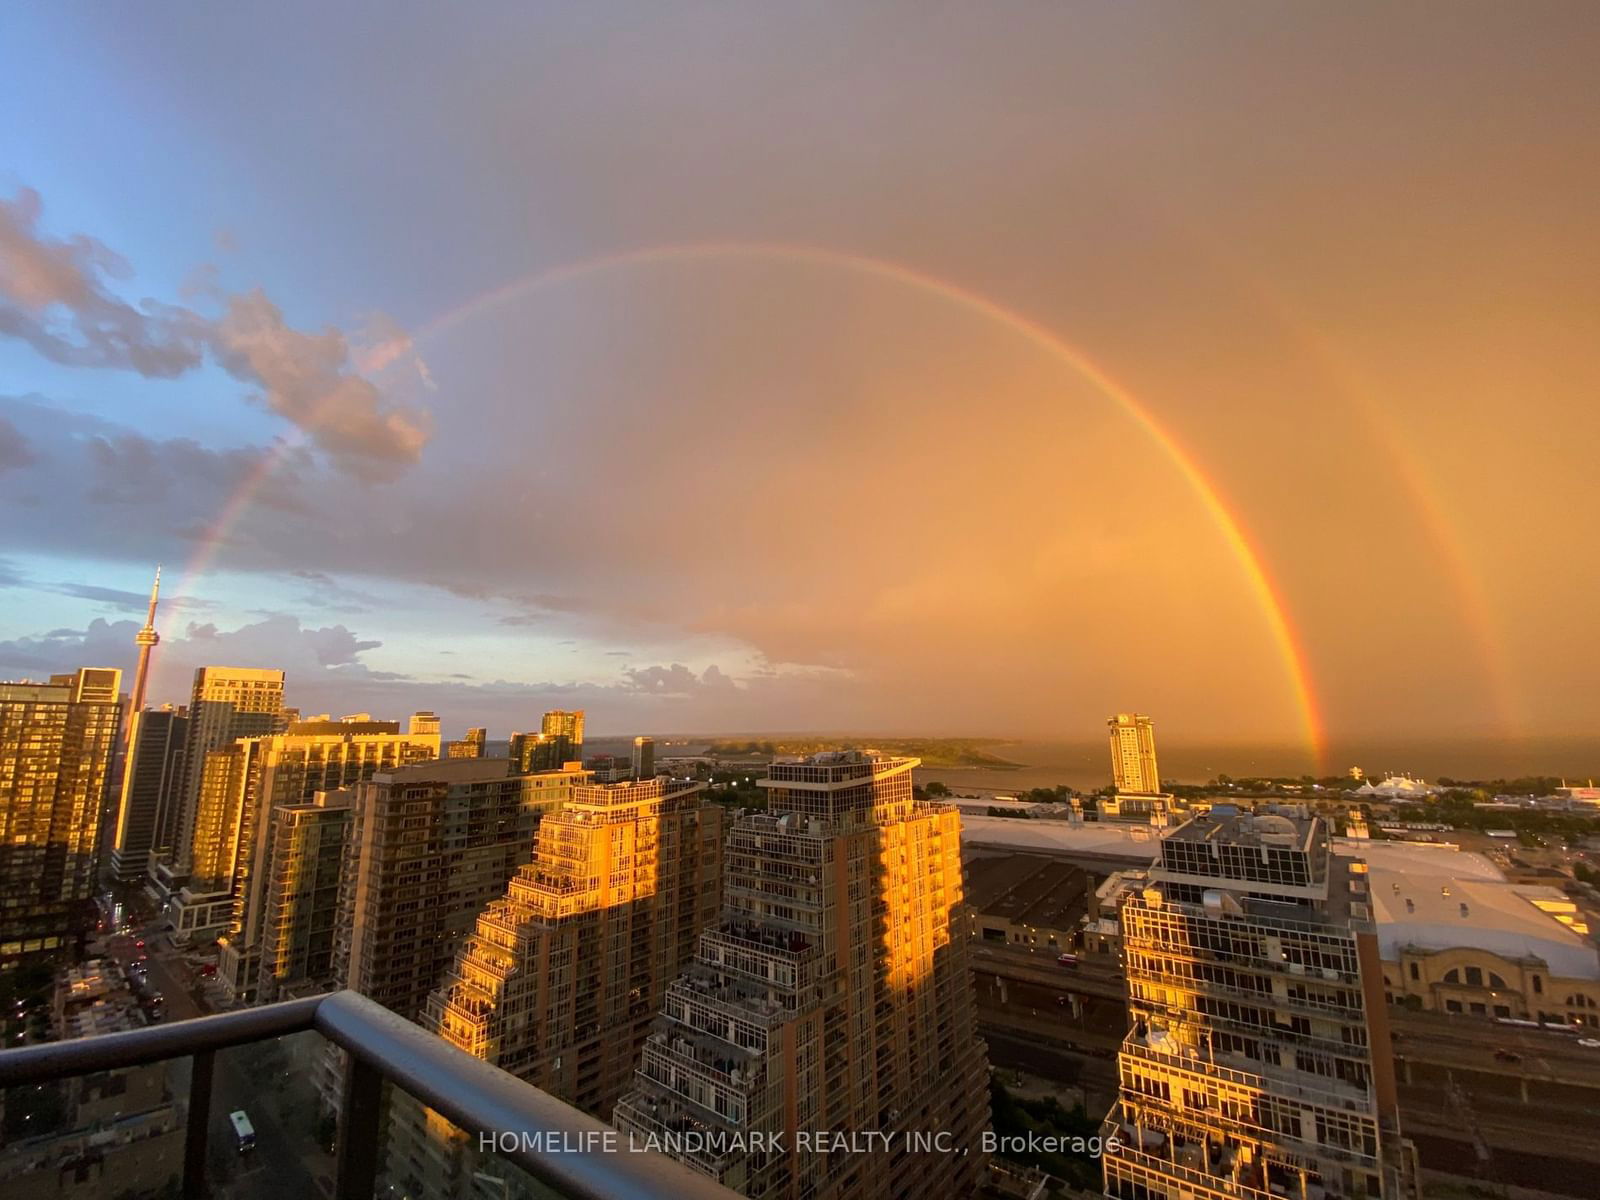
[946,753]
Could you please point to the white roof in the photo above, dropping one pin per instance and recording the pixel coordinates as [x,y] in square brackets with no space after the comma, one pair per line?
[1501,917]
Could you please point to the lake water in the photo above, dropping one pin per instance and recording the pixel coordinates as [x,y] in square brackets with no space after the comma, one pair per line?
[1087,765]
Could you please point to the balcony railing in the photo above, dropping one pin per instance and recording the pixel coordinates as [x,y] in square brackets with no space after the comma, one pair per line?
[383,1047]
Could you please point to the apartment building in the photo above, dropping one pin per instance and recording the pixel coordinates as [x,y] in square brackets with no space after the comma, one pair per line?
[271,776]
[56,744]
[561,979]
[226,704]
[1258,1064]
[300,894]
[153,769]
[431,846]
[831,995]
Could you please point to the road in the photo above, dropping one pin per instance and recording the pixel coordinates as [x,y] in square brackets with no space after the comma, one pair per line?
[281,1105]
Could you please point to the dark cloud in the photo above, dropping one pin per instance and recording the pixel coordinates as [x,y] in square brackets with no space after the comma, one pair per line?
[678,680]
[14,448]
[56,295]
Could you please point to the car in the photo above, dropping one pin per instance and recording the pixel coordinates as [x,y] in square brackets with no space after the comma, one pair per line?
[1508,1056]
[139,945]
[1591,1043]
[1067,960]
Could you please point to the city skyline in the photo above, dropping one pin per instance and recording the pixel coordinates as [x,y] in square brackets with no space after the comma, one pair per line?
[1117,346]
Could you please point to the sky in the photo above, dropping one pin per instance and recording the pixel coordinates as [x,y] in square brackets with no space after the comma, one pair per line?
[904,368]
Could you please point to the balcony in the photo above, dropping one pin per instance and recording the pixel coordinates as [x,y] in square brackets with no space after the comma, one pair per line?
[554,1143]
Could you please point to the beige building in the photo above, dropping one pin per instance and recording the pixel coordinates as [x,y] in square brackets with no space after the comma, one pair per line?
[300,894]
[1133,754]
[277,774]
[431,846]
[226,704]
[561,979]
[1259,1063]
[471,746]
[56,744]
[1457,936]
[831,994]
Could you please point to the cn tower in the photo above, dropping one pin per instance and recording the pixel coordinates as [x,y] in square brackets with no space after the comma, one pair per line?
[145,639]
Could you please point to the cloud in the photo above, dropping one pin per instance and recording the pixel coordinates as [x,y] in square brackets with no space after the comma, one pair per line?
[53,295]
[14,448]
[305,378]
[56,295]
[678,680]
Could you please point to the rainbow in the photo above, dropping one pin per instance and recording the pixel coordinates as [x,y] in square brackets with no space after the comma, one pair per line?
[1230,527]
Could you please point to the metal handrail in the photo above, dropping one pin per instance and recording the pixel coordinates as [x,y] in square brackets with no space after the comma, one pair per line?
[475,1095]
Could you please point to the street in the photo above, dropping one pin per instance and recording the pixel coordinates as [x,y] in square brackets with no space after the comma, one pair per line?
[265,1080]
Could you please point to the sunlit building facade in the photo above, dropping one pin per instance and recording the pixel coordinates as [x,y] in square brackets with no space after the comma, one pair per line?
[300,894]
[273,773]
[644,758]
[471,746]
[561,979]
[1133,754]
[227,703]
[1258,1064]
[56,744]
[832,994]
[431,846]
[559,741]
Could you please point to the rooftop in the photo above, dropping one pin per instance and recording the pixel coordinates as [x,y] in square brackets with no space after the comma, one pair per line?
[1460,899]
[1029,890]
[1284,827]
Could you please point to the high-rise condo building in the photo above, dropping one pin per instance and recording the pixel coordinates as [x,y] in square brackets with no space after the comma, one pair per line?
[559,741]
[1259,1064]
[228,703]
[300,893]
[431,846]
[1133,754]
[153,768]
[471,746]
[56,744]
[831,995]
[562,977]
[242,789]
[644,758]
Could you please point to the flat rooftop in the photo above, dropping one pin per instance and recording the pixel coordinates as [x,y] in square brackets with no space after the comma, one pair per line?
[1028,890]
[1130,844]
[1263,828]
[1439,898]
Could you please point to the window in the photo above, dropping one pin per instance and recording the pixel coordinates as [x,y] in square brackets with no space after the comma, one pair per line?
[1415,974]
[1495,981]
[1538,985]
[1475,976]
[1452,976]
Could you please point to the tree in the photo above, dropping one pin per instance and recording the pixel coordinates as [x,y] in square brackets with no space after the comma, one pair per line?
[934,788]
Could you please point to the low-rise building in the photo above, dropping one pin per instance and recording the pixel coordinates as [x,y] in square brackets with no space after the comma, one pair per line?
[1456,936]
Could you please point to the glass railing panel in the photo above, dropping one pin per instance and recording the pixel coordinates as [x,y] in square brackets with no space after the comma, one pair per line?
[425,1156]
[107,1134]
[282,1145]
